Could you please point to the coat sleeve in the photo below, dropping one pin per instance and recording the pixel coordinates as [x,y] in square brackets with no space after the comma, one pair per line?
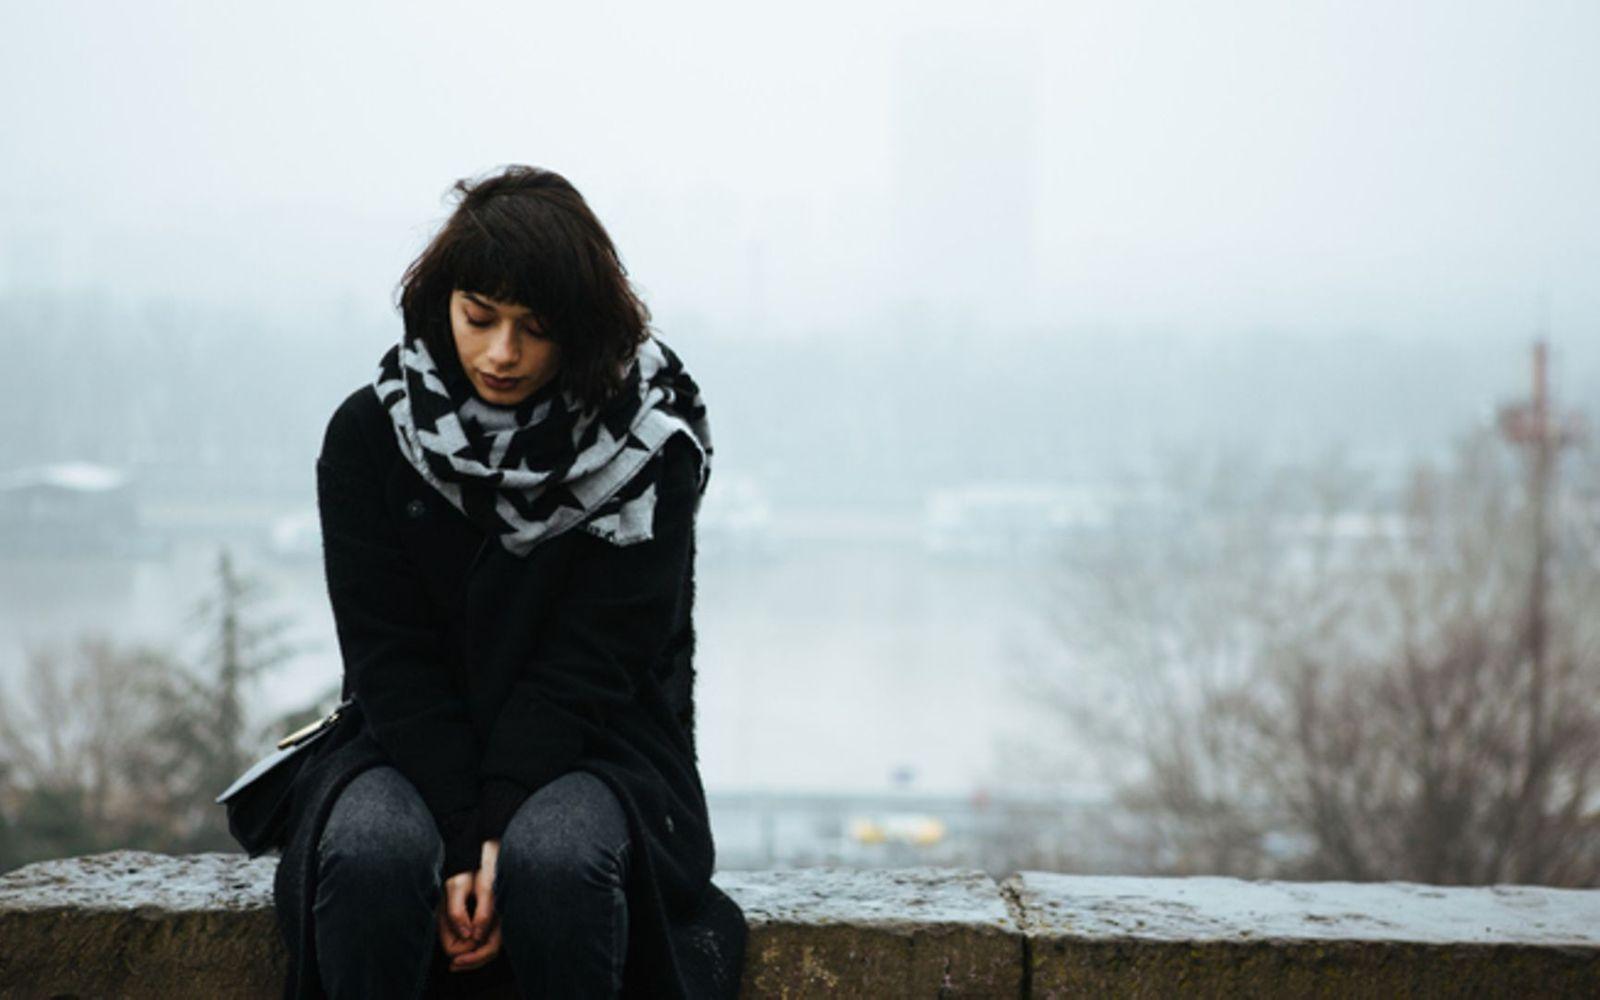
[616,615]
[392,641]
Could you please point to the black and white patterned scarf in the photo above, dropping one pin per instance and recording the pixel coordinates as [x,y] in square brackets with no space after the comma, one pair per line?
[528,472]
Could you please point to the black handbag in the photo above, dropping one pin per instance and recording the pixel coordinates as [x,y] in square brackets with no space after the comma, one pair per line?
[258,800]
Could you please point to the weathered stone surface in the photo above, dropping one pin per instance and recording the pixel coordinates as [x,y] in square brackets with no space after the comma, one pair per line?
[1147,937]
[915,932]
[135,924]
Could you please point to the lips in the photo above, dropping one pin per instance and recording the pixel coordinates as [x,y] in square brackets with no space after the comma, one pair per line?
[498,384]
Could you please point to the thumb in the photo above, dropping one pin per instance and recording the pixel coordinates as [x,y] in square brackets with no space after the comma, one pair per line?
[483,890]
[457,888]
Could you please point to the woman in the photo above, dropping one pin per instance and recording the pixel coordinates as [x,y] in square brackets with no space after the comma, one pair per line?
[508,530]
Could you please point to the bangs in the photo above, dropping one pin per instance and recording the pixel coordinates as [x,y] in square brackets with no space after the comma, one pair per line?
[518,265]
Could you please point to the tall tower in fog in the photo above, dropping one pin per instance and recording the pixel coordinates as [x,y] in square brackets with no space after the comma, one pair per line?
[962,159]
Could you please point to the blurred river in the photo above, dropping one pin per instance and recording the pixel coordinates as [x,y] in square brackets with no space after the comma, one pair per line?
[843,658]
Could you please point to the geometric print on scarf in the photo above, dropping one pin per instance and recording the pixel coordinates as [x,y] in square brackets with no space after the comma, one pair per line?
[527,473]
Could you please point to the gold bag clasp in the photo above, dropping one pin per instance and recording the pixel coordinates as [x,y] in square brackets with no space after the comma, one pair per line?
[308,730]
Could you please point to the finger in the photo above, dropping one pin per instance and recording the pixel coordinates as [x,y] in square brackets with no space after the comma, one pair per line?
[483,915]
[454,946]
[472,948]
[480,955]
[460,887]
[452,942]
[475,960]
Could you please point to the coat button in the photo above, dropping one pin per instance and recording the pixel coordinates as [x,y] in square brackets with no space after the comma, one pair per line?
[415,509]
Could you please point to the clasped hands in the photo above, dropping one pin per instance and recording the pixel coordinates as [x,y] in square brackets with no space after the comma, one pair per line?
[471,938]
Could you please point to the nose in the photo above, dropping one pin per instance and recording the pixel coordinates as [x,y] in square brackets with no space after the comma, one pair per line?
[503,350]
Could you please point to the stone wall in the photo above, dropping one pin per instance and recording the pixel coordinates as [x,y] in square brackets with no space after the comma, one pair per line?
[133,924]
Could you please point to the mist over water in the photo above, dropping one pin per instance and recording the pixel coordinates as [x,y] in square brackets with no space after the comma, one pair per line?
[905,248]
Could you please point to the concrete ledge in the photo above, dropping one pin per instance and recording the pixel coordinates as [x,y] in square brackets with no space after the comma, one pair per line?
[1149,937]
[830,932]
[133,924]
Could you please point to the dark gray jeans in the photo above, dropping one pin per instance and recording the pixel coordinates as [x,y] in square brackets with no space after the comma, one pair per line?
[558,890]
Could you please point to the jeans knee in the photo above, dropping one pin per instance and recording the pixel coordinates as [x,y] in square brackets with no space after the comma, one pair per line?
[381,840]
[569,835]
[541,868]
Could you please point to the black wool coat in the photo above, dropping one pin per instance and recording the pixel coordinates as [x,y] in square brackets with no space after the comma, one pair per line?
[482,676]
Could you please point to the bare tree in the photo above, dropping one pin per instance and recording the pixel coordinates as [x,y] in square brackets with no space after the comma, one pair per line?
[70,781]
[106,745]
[201,741]
[1294,675]
[1454,744]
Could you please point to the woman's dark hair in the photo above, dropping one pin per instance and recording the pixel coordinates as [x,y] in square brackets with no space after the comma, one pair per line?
[526,236]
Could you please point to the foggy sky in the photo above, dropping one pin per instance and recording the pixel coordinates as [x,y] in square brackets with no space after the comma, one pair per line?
[821,168]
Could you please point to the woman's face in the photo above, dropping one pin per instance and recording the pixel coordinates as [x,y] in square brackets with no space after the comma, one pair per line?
[502,348]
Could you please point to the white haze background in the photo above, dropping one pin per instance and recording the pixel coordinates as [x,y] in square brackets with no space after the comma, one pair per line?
[905,246]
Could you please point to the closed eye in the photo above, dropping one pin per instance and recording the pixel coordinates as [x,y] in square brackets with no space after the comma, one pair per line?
[482,323]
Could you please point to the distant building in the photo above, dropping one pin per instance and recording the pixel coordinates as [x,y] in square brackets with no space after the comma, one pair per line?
[1340,540]
[1009,519]
[69,507]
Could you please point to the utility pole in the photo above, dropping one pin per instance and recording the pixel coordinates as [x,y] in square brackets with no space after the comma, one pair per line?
[1534,428]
